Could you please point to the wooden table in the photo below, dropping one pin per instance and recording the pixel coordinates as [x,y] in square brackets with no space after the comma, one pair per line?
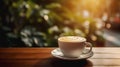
[41,57]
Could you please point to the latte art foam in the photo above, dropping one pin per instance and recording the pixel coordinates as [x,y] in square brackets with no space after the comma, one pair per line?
[72,39]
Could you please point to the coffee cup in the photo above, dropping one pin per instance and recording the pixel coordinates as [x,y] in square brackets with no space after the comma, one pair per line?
[73,46]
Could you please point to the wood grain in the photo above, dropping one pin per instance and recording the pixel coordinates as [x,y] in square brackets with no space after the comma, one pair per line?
[41,57]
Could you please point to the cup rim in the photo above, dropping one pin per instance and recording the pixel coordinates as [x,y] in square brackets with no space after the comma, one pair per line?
[59,39]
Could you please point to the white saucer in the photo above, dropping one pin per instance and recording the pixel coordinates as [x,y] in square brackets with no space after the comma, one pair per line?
[58,54]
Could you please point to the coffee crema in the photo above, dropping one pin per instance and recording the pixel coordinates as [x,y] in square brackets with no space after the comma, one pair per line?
[72,39]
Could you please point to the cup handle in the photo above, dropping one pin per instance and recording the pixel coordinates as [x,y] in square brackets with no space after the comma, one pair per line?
[90,48]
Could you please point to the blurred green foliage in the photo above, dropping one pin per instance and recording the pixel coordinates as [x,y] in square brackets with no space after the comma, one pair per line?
[45,20]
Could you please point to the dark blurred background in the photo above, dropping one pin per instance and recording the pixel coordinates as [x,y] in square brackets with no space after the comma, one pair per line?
[38,23]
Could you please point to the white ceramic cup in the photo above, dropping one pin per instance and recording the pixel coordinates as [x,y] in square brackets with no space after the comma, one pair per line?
[73,46]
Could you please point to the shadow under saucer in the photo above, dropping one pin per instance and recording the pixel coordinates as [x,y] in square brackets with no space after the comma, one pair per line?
[55,62]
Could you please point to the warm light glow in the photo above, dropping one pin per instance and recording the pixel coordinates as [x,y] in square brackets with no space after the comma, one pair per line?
[105,17]
[86,24]
[93,37]
[108,26]
[95,7]
[90,8]
[91,2]
[99,23]
[85,13]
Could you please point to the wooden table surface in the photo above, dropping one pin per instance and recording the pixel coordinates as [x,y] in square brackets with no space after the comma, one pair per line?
[41,57]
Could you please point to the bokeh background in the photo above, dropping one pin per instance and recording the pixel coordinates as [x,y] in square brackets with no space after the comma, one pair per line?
[38,23]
